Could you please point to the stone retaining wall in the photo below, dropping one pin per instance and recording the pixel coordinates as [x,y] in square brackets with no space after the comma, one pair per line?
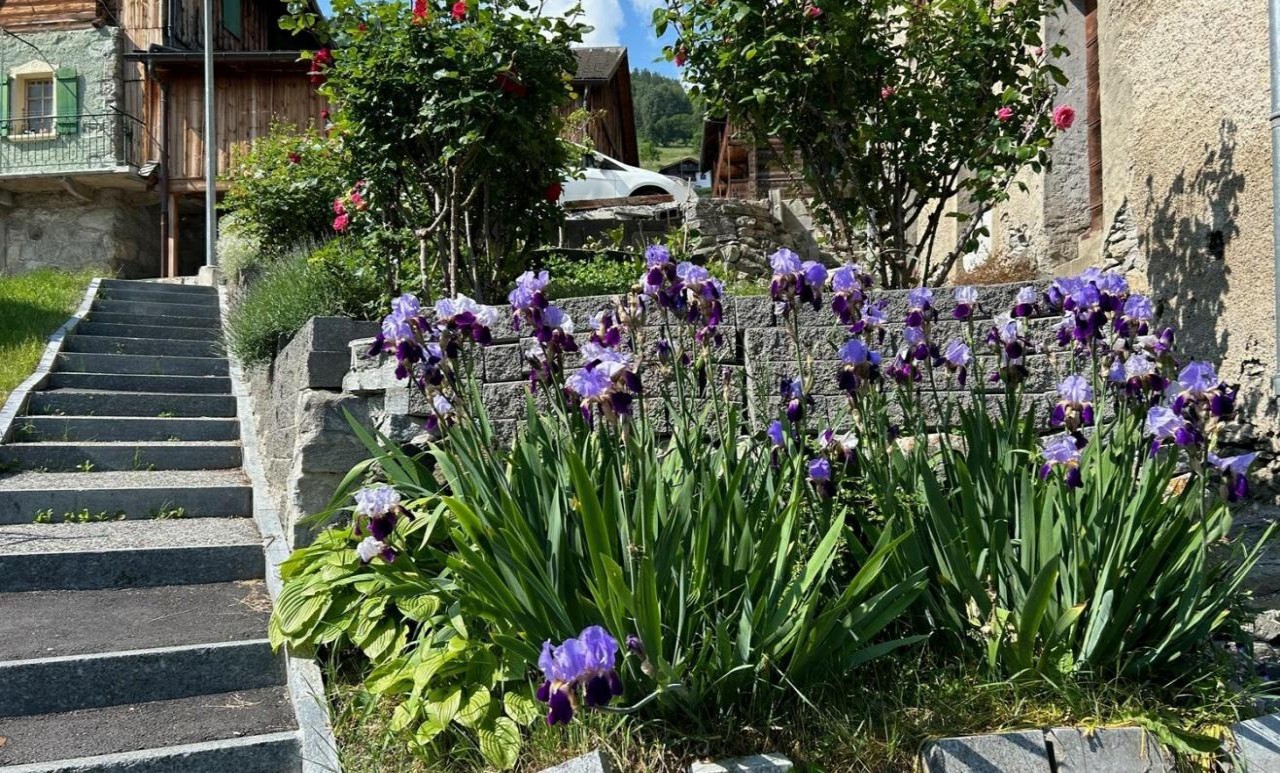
[298,415]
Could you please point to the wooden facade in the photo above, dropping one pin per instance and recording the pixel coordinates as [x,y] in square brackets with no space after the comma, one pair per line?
[39,15]
[603,86]
[741,169]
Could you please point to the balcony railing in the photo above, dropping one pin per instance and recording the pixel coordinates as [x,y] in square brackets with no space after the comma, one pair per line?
[91,142]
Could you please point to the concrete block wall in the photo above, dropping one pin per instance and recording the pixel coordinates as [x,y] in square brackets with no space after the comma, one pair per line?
[757,353]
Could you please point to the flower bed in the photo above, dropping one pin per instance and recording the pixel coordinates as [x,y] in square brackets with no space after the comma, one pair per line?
[639,547]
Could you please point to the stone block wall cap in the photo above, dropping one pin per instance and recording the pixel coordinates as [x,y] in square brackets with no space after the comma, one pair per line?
[1257,743]
[594,762]
[1023,751]
[756,762]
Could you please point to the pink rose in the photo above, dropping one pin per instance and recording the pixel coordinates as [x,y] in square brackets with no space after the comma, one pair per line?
[460,10]
[1039,51]
[1004,114]
[358,202]
[813,11]
[1063,117]
[887,92]
[341,222]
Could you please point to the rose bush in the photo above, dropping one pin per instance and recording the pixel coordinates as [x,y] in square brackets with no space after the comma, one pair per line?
[893,108]
[452,116]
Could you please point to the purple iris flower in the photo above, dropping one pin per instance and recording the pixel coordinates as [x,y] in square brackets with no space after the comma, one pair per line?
[1075,408]
[845,279]
[656,255]
[1062,451]
[956,356]
[920,298]
[1024,303]
[815,274]
[588,662]
[1235,474]
[528,291]
[378,505]
[819,470]
[690,273]
[784,261]
[775,433]
[792,391]
[917,343]
[966,302]
[1198,378]
[855,352]
[371,547]
[1166,425]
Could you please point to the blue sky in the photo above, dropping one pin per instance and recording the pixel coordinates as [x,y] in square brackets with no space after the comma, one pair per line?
[618,23]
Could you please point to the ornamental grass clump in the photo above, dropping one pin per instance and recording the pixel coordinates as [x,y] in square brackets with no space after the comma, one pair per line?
[635,545]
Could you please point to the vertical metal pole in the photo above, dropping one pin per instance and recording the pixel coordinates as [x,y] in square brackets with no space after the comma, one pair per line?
[1274,16]
[210,145]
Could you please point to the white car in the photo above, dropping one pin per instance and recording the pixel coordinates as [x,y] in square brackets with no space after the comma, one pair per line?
[608,178]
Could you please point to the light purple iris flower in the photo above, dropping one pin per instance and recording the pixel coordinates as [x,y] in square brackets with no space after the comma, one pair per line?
[528,285]
[1062,451]
[775,433]
[1198,378]
[1076,389]
[957,353]
[589,383]
[784,261]
[845,279]
[855,352]
[1138,307]
[656,255]
[920,298]
[819,470]
[376,501]
[815,274]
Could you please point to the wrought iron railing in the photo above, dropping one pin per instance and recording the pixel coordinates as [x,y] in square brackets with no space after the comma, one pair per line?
[65,144]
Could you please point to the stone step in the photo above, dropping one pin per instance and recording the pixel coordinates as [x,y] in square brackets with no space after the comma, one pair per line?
[136,494]
[88,456]
[134,285]
[31,429]
[128,554]
[157,296]
[72,402]
[133,329]
[149,346]
[75,682]
[134,382]
[248,731]
[141,364]
[157,309]
[108,344]
[58,623]
[153,320]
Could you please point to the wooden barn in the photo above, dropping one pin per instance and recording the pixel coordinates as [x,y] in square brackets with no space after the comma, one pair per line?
[124,81]
[740,169]
[603,86]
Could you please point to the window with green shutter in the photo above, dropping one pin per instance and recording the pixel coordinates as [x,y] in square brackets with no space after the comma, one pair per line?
[232,17]
[67,101]
[4,108]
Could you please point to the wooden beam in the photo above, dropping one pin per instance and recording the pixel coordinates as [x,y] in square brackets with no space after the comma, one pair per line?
[172,247]
[625,201]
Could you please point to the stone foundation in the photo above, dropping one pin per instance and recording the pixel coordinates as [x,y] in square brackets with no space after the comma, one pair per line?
[116,230]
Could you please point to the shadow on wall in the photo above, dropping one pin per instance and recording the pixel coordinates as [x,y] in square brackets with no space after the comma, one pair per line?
[1189,228]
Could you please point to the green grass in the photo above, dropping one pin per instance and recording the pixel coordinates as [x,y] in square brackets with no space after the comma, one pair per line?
[874,724]
[669,154]
[32,306]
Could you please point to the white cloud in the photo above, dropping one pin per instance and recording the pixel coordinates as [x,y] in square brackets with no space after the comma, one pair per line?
[604,15]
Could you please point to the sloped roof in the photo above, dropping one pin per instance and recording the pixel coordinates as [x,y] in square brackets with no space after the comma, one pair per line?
[598,64]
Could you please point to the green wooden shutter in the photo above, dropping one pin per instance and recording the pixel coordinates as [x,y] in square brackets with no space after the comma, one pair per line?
[66,101]
[232,17]
[4,108]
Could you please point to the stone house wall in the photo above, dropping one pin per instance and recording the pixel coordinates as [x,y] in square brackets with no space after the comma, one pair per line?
[115,229]
[1187,181]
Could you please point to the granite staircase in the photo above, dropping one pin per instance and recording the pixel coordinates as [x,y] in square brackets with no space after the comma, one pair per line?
[133,610]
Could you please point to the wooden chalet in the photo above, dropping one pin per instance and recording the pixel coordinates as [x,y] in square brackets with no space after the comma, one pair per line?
[603,86]
[741,169]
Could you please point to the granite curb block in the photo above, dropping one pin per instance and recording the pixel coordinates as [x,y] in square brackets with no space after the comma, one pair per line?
[303,676]
[598,762]
[255,754]
[756,763]
[18,398]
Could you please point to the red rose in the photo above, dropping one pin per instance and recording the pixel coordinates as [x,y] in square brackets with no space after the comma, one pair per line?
[509,84]
[420,11]
[295,158]
[322,58]
[459,10]
[681,57]
[554,191]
